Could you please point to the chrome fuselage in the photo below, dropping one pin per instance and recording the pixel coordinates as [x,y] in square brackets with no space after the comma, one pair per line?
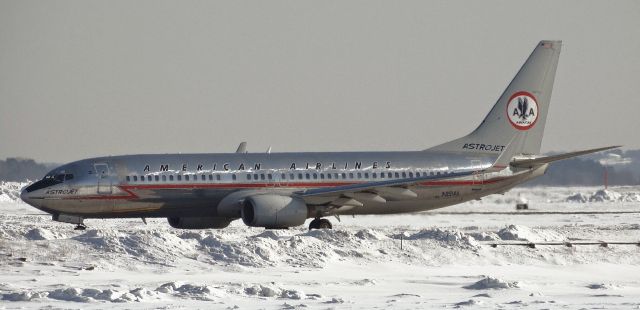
[192,185]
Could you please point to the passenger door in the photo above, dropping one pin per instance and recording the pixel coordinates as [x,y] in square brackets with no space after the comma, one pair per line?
[104,178]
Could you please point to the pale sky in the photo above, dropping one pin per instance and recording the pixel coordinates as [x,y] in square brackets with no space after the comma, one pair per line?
[90,78]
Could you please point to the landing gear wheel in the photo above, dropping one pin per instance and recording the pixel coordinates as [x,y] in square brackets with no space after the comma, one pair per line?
[80,227]
[324,224]
[320,224]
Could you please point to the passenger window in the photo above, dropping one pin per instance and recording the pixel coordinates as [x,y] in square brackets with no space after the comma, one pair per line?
[404,175]
[366,175]
[438,172]
[411,174]
[149,178]
[417,174]
[283,176]
[389,175]
[164,178]
[375,175]
[328,175]
[135,178]
[128,179]
[381,175]
[322,176]
[292,176]
[359,175]
[186,177]
[397,175]
[300,176]
[262,176]
[233,177]
[344,175]
[255,176]
[315,176]
[270,176]
[336,176]
[249,177]
[171,177]
[218,177]
[308,176]
[350,175]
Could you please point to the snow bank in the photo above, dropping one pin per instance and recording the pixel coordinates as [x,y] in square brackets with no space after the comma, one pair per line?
[190,291]
[452,238]
[21,296]
[523,233]
[10,191]
[491,283]
[577,197]
[274,291]
[165,291]
[468,303]
[40,234]
[604,195]
[602,286]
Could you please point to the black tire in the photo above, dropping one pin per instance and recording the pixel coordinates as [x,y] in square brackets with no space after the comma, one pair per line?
[320,224]
[324,224]
[314,224]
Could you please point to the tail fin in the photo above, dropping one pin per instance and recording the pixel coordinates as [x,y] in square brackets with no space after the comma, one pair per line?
[516,122]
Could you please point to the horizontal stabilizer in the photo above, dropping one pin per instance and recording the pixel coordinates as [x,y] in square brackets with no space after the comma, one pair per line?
[529,163]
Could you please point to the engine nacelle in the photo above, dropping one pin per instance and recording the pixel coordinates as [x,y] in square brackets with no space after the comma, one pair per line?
[198,222]
[273,211]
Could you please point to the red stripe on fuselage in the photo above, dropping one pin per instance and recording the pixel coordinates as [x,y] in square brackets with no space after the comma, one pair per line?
[130,188]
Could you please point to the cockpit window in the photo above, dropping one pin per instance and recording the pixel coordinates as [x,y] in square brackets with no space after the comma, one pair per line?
[49,180]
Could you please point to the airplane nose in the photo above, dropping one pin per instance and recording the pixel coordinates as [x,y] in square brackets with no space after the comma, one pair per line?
[24,195]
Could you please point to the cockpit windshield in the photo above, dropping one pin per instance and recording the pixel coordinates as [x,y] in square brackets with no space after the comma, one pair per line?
[49,180]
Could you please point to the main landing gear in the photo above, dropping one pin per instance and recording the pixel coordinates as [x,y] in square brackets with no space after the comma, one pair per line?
[319,223]
[80,226]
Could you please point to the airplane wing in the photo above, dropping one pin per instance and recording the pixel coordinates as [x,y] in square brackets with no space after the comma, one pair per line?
[530,163]
[379,191]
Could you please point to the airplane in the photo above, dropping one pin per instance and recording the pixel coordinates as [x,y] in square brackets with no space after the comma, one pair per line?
[282,190]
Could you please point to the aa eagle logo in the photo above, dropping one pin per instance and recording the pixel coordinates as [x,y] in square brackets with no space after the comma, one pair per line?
[522,110]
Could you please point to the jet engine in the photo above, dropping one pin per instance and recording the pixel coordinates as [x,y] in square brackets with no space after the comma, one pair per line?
[198,222]
[273,211]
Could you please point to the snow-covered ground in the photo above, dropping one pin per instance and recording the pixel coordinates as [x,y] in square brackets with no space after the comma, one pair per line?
[440,259]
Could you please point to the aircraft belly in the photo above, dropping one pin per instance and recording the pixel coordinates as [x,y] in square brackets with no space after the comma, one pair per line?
[79,206]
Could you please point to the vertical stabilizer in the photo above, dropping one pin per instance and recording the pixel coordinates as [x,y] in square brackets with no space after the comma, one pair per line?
[515,124]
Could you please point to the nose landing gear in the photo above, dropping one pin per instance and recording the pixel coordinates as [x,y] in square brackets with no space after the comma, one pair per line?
[319,223]
[71,219]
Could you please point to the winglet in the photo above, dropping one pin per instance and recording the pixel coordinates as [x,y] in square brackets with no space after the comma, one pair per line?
[242,148]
